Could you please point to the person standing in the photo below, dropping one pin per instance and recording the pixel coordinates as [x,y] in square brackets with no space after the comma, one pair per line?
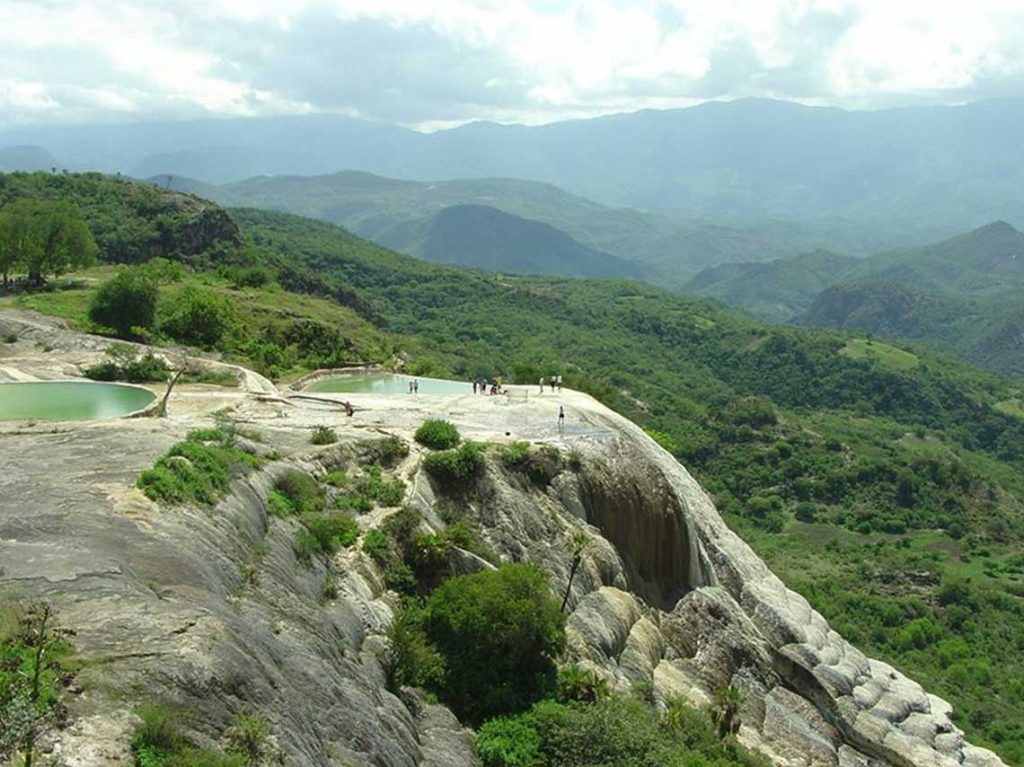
[474,387]
[558,380]
[561,417]
[415,386]
[542,384]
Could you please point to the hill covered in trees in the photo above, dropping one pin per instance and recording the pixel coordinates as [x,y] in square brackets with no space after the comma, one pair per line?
[883,483]
[963,292]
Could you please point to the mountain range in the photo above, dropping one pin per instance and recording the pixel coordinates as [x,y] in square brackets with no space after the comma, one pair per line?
[962,165]
[664,249]
[964,291]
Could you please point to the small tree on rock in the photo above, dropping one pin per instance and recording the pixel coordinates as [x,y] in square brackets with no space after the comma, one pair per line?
[32,679]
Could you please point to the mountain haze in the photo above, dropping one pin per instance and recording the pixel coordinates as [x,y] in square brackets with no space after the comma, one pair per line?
[962,165]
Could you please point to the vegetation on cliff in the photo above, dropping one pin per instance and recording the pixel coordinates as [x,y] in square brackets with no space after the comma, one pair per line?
[868,484]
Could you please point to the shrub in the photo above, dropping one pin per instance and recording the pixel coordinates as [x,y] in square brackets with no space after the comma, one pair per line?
[806,511]
[385,491]
[324,435]
[336,478]
[391,450]
[278,505]
[455,469]
[540,466]
[412,659]
[248,737]
[614,731]
[193,471]
[126,302]
[437,434]
[303,493]
[199,317]
[662,439]
[576,684]
[377,544]
[499,632]
[354,502]
[326,532]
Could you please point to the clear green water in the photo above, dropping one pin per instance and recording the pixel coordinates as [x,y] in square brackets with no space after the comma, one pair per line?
[387,383]
[69,400]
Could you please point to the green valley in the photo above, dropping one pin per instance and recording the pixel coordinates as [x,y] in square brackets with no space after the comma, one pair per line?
[882,483]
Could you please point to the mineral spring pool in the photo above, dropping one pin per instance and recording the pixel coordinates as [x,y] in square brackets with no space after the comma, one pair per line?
[69,400]
[386,383]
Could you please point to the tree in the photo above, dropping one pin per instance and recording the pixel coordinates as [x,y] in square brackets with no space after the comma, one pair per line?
[14,234]
[126,302]
[61,241]
[43,238]
[199,317]
[499,632]
[32,678]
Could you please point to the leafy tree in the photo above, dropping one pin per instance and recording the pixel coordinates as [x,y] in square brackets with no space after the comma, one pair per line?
[199,317]
[499,632]
[126,302]
[54,238]
[15,240]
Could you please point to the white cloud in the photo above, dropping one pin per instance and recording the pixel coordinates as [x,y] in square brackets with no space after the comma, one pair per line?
[511,60]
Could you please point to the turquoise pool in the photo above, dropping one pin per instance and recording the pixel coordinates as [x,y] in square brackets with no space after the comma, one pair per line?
[386,383]
[70,400]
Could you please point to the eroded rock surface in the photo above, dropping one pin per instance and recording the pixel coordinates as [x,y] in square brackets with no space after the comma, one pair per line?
[211,611]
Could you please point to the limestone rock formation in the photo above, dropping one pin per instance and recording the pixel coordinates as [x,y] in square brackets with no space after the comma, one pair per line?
[211,611]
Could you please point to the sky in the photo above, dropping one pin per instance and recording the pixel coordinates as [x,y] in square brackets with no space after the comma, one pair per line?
[435,63]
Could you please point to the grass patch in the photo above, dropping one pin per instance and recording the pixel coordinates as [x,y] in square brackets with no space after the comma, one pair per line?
[880,354]
[1014,407]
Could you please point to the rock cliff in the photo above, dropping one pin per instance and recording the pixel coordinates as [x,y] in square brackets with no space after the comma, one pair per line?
[209,609]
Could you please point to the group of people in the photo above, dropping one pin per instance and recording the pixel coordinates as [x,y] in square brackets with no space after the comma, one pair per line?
[414,386]
[554,382]
[488,387]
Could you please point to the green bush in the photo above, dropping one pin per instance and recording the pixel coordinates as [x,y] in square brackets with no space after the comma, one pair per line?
[455,469]
[356,502]
[624,732]
[303,493]
[325,533]
[199,317]
[437,434]
[377,544]
[278,505]
[126,302]
[385,491]
[194,471]
[540,465]
[497,631]
[391,450]
[324,435]
[336,478]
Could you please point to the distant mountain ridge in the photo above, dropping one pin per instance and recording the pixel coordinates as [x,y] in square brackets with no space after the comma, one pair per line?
[965,291]
[749,158]
[487,238]
[669,251]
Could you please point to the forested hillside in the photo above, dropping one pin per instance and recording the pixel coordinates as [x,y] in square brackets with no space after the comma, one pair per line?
[884,484]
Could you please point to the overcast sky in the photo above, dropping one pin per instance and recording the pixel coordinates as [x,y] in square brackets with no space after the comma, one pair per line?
[428,63]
